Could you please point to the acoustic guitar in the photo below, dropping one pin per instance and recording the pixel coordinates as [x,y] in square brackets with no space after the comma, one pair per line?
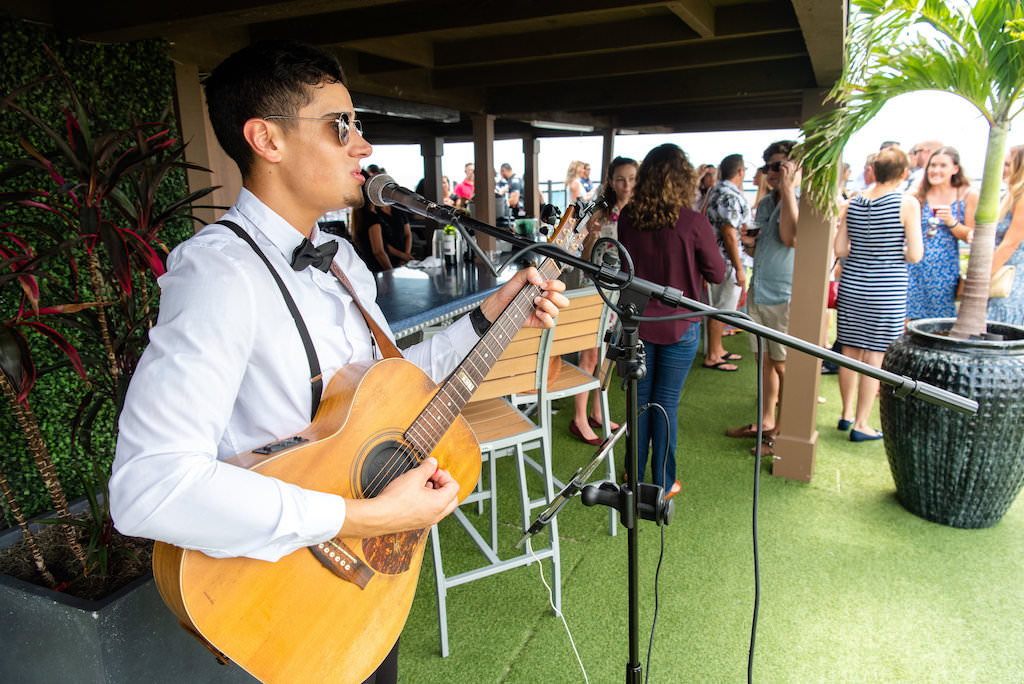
[331,613]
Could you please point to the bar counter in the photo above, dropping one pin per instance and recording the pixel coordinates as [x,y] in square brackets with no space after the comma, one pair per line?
[414,299]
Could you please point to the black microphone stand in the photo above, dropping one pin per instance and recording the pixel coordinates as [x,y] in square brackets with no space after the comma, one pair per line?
[635,500]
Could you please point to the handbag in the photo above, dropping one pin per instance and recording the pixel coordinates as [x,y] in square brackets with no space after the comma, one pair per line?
[833,288]
[1002,281]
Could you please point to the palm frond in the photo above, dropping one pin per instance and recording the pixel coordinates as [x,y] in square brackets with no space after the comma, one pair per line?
[895,47]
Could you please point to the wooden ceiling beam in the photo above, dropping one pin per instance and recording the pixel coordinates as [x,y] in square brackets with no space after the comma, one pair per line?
[755,18]
[576,40]
[691,55]
[698,15]
[411,17]
[710,119]
[659,88]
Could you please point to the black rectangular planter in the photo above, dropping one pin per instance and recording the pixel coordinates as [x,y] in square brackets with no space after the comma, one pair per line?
[47,637]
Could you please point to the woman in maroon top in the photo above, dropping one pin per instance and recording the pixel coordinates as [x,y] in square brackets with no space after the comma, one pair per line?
[672,245]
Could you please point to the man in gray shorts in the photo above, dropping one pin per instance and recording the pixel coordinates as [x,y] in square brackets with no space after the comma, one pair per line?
[772,282]
[729,213]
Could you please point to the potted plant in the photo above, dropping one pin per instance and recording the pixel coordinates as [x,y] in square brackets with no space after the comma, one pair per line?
[82,251]
[951,468]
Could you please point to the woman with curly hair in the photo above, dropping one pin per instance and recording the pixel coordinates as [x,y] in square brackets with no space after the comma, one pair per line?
[673,245]
[1009,245]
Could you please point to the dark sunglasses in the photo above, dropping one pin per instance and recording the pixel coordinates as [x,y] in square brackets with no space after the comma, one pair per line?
[772,166]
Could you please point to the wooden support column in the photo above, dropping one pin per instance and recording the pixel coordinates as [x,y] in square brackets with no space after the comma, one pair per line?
[432,149]
[483,194]
[531,176]
[796,444]
[607,154]
[202,147]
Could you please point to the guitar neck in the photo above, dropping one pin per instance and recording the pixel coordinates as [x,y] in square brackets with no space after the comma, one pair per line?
[427,430]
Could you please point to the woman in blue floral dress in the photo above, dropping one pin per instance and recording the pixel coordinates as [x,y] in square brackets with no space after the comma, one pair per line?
[1010,241]
[947,215]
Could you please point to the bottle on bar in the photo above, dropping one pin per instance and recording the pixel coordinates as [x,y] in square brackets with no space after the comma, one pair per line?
[450,257]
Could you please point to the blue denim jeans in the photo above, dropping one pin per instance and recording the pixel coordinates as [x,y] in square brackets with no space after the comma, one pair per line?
[667,368]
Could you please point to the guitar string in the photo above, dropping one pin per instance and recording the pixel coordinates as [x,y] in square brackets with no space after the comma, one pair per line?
[402,455]
[523,304]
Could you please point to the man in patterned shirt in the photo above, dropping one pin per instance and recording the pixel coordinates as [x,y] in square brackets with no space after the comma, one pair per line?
[728,212]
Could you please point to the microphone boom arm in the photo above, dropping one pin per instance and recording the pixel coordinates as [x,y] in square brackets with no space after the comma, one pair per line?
[382,189]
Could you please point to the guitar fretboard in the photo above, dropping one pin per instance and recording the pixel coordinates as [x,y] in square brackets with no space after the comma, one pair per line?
[428,428]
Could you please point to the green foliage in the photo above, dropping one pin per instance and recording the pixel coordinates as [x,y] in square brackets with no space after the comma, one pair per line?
[894,47]
[122,84]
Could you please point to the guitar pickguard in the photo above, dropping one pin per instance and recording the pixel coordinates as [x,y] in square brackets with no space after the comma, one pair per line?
[392,554]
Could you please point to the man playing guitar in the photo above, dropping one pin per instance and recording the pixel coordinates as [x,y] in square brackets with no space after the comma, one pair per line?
[225,370]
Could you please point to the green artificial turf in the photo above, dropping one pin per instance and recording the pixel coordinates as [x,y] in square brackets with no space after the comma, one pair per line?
[853,587]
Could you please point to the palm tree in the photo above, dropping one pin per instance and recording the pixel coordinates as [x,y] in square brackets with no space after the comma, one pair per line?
[971,48]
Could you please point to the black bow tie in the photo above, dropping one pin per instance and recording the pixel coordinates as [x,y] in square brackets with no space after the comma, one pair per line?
[307,254]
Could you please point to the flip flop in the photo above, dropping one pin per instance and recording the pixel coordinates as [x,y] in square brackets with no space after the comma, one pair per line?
[729,332]
[721,366]
[749,431]
[729,356]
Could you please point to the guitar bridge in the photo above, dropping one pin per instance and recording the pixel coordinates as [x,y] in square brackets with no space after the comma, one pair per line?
[340,560]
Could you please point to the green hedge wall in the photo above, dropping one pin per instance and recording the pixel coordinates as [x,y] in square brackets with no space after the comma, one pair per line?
[117,81]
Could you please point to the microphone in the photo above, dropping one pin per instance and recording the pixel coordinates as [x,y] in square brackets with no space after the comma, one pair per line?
[383,190]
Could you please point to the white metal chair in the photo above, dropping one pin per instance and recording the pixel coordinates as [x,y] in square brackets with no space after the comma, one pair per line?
[581,326]
[503,429]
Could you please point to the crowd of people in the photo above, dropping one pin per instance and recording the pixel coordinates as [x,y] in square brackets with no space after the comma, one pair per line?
[897,253]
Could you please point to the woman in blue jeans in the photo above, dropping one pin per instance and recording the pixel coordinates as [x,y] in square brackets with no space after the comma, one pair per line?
[673,245]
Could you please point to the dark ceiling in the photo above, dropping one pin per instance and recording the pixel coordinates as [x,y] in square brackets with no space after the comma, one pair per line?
[421,67]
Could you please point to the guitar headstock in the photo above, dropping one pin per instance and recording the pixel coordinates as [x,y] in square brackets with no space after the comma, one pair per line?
[570,233]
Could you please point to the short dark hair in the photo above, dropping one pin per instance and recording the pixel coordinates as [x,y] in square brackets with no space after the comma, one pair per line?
[730,166]
[506,166]
[779,147]
[263,79]
[890,164]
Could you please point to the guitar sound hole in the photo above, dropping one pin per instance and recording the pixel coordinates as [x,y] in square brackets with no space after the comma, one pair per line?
[384,463]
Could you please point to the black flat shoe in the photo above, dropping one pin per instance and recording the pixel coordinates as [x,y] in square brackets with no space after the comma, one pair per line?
[858,436]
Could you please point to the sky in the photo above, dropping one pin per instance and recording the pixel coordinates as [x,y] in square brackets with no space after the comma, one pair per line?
[907,119]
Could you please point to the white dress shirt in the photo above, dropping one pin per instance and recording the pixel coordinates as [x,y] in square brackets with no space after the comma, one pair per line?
[225,372]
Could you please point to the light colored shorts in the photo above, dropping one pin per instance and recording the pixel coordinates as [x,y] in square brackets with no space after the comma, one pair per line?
[726,294]
[774,316]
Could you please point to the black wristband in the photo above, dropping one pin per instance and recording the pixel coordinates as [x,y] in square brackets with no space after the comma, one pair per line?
[479,321]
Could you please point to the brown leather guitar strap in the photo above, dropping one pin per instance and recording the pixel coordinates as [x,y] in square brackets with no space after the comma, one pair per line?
[387,347]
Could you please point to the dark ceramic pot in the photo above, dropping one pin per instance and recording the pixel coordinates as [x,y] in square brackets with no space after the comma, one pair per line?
[951,468]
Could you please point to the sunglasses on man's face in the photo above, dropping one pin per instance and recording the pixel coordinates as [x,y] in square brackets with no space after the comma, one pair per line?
[343,124]
[772,166]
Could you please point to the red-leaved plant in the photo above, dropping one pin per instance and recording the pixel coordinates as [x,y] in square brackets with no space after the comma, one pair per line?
[96,210]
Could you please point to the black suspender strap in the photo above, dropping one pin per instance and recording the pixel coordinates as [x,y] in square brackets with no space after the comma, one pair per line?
[315,376]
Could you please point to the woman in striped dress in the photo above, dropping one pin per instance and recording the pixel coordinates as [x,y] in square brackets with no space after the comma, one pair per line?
[878,234]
